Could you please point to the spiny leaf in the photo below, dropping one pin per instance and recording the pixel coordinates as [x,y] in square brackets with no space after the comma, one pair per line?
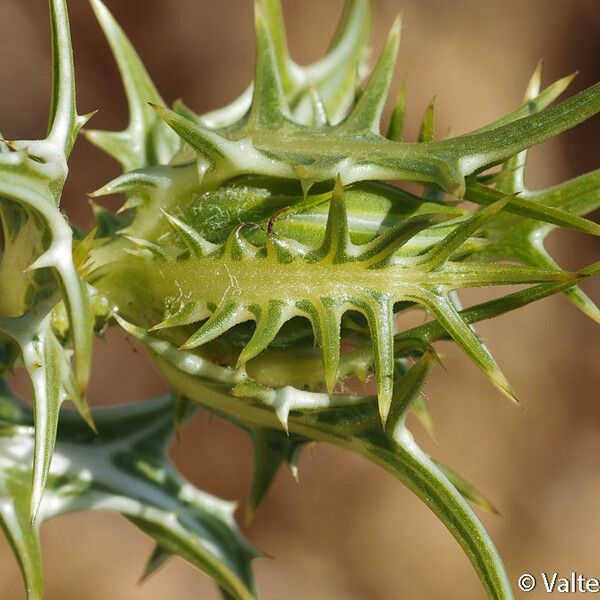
[128,473]
[325,316]
[427,129]
[145,141]
[225,316]
[64,123]
[273,27]
[464,336]
[510,179]
[484,149]
[271,449]
[379,315]
[480,194]
[269,107]
[466,489]
[268,323]
[540,102]
[366,116]
[336,242]
[356,427]
[434,330]
[396,125]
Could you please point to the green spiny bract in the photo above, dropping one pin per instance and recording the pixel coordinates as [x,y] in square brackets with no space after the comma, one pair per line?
[262,259]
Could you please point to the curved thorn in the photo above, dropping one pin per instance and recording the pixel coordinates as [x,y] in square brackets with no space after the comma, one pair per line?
[224,318]
[268,323]
[197,244]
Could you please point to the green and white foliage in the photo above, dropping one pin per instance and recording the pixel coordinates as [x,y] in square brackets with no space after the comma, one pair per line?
[122,468]
[262,257]
[37,270]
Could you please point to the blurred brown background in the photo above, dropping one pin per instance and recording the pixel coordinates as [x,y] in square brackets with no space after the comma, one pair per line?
[349,531]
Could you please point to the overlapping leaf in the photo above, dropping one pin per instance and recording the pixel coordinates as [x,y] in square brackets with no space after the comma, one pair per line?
[122,469]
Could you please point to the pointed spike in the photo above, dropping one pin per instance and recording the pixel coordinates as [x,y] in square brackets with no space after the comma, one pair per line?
[325,316]
[269,107]
[380,318]
[465,337]
[186,314]
[336,244]
[293,462]
[442,251]
[271,449]
[224,318]
[131,147]
[575,294]
[511,178]
[196,243]
[82,120]
[268,324]
[406,390]
[466,489]
[155,562]
[533,105]
[62,128]
[532,209]
[139,88]
[326,326]
[396,126]
[366,115]
[282,412]
[433,330]
[481,149]
[42,360]
[346,60]
[207,142]
[83,408]
[136,181]
[44,261]
[381,250]
[427,129]
[535,82]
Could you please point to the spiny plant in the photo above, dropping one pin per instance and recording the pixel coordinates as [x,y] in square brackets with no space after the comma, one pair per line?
[262,257]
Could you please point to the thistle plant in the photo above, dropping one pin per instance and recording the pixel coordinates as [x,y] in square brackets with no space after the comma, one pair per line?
[262,256]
